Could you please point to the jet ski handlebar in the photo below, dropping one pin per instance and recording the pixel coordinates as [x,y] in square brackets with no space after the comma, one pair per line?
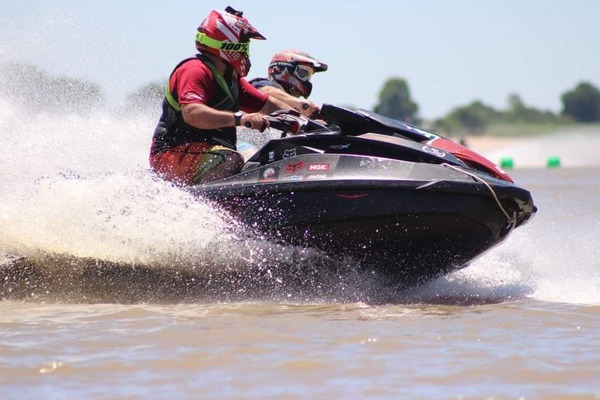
[291,122]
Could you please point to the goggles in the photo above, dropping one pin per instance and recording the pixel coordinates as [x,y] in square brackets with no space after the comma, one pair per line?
[226,46]
[303,72]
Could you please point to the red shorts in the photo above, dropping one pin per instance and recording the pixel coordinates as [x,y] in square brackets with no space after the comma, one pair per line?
[188,163]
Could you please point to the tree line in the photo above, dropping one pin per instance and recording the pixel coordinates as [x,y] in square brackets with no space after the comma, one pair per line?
[34,89]
[579,104]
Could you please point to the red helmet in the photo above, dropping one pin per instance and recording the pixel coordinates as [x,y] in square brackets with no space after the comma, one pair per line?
[292,69]
[227,34]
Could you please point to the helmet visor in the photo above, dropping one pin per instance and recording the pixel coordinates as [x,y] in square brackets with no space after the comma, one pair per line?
[224,45]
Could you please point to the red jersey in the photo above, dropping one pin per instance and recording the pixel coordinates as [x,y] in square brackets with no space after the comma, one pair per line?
[193,82]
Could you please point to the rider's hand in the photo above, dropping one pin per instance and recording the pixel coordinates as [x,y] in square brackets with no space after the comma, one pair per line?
[308,108]
[291,111]
[254,121]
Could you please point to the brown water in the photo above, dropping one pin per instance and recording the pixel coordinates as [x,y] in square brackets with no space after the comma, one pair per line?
[109,290]
[520,323]
[516,349]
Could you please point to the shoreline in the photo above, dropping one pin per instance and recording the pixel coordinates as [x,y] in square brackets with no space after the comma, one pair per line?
[484,144]
[572,149]
[491,142]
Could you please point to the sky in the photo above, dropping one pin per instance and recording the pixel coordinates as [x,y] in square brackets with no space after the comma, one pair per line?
[450,52]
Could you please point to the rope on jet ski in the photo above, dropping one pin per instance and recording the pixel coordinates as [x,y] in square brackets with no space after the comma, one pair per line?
[511,220]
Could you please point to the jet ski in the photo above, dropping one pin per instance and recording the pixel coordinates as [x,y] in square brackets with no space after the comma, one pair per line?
[403,203]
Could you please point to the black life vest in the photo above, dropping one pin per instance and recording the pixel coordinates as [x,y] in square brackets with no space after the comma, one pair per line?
[172,130]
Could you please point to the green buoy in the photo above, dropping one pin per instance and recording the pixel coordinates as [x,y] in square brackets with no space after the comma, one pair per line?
[553,162]
[506,163]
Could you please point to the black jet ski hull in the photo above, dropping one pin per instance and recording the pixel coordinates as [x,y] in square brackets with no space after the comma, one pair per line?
[427,221]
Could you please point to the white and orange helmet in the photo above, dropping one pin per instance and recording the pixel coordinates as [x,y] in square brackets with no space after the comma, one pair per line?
[292,70]
[226,34]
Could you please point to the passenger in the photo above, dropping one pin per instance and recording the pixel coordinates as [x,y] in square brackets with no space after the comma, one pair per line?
[195,139]
[288,79]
